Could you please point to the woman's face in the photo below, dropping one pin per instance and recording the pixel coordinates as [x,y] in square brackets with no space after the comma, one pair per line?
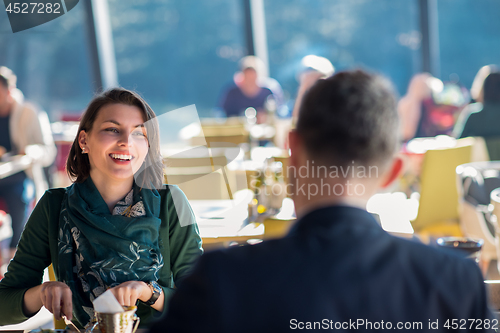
[117,144]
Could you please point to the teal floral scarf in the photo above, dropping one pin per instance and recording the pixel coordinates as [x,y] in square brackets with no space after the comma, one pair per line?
[99,250]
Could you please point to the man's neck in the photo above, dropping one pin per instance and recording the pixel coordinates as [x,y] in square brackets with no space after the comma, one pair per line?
[305,203]
[311,205]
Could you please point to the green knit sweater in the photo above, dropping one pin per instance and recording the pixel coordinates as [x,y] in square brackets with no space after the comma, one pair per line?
[37,249]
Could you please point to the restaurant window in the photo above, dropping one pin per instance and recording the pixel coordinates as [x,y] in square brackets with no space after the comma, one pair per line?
[177,53]
[469,37]
[380,35]
[51,62]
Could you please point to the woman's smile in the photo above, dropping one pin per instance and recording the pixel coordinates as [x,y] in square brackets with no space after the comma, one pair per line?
[121,157]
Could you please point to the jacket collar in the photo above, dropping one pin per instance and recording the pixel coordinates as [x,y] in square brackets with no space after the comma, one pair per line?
[336,217]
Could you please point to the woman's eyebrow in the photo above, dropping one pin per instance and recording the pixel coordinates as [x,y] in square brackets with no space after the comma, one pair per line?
[117,123]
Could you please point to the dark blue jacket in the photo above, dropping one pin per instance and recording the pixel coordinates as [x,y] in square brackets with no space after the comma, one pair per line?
[336,269]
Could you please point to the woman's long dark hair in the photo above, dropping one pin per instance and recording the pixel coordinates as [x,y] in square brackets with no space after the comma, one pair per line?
[150,175]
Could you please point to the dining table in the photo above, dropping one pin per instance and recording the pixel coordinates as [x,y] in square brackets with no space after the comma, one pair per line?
[221,222]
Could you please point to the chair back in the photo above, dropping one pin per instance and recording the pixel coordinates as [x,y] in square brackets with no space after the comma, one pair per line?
[201,175]
[234,133]
[208,139]
[200,184]
[438,189]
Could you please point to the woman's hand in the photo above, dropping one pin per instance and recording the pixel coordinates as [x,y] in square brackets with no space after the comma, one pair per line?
[57,298]
[127,293]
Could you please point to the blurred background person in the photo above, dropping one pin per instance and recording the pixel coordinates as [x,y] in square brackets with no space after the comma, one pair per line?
[410,105]
[485,120]
[23,130]
[313,69]
[477,89]
[477,96]
[2,221]
[251,89]
[430,107]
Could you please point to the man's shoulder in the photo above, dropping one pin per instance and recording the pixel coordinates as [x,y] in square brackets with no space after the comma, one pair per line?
[362,241]
[416,280]
[410,258]
[252,250]
[436,264]
[241,258]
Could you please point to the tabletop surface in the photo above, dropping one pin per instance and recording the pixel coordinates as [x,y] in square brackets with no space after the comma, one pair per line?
[223,218]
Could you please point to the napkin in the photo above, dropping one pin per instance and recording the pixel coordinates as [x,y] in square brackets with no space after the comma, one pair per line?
[107,303]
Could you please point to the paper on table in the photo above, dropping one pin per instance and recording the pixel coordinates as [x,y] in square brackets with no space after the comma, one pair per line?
[107,303]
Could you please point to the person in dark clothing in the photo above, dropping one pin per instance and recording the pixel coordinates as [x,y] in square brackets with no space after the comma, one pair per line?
[248,92]
[484,121]
[236,101]
[23,130]
[337,268]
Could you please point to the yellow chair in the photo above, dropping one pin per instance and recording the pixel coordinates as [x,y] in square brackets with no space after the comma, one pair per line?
[183,162]
[202,174]
[226,128]
[438,207]
[201,178]
[235,139]
[204,185]
[234,133]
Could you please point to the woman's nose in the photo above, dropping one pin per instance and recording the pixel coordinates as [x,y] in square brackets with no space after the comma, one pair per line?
[125,139]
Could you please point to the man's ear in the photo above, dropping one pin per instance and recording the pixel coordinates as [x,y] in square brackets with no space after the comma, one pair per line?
[392,172]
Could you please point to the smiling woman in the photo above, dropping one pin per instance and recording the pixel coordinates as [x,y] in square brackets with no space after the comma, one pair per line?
[115,228]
